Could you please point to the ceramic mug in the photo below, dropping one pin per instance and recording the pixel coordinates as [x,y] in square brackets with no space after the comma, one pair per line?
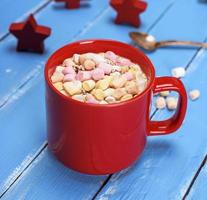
[103,139]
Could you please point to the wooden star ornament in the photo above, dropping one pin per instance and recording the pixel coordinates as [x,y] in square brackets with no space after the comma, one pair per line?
[128,11]
[70,4]
[30,35]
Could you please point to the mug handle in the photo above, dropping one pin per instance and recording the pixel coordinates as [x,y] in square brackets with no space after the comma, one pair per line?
[172,124]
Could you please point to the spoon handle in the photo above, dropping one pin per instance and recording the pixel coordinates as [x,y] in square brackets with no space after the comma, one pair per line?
[180,43]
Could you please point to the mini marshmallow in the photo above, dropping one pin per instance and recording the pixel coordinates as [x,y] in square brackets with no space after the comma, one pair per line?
[89,64]
[88,85]
[73,88]
[107,68]
[123,61]
[110,99]
[90,99]
[164,93]
[57,77]
[108,92]
[97,74]
[64,92]
[111,56]
[95,57]
[83,76]
[58,85]
[172,103]
[79,97]
[124,69]
[102,84]
[160,103]
[69,77]
[115,68]
[118,93]
[178,72]
[99,94]
[68,62]
[68,70]
[59,69]
[76,58]
[132,87]
[194,94]
[118,82]
[103,102]
[126,97]
[129,76]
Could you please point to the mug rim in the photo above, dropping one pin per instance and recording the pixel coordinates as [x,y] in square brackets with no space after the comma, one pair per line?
[114,42]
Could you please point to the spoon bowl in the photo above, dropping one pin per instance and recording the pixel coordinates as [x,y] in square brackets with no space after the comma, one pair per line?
[144,40]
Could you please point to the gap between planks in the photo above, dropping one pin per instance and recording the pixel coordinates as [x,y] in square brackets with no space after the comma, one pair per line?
[35,11]
[85,29]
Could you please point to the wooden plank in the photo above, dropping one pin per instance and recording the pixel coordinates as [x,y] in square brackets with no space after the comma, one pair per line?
[53,181]
[169,163]
[27,104]
[17,10]
[198,191]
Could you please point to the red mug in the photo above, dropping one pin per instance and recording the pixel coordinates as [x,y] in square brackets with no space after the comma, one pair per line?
[103,139]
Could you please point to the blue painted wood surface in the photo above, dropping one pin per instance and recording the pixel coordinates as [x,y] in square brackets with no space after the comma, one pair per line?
[198,191]
[11,11]
[168,164]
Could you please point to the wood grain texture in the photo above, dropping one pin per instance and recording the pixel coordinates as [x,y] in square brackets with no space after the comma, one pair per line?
[169,163]
[198,191]
[17,10]
[26,134]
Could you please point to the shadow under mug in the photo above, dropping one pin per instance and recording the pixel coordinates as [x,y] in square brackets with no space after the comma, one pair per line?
[103,139]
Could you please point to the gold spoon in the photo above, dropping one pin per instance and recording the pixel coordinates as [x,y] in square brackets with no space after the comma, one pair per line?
[149,42]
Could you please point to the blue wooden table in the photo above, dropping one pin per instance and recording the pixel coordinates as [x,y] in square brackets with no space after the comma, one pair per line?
[171,167]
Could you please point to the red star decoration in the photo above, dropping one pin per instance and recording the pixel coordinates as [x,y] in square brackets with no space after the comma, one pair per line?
[70,4]
[30,35]
[128,11]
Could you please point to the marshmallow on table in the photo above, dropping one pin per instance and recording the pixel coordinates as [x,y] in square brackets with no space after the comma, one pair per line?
[194,94]
[172,103]
[178,72]
[160,103]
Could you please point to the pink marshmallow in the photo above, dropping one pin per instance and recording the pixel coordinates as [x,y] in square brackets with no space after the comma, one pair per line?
[90,99]
[69,77]
[83,75]
[111,56]
[123,61]
[106,67]
[129,76]
[97,74]
[69,70]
